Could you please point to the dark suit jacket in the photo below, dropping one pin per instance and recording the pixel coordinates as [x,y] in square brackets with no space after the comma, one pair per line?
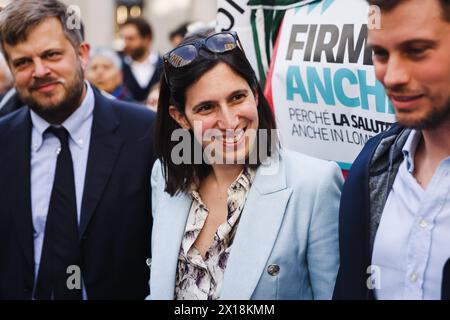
[115,223]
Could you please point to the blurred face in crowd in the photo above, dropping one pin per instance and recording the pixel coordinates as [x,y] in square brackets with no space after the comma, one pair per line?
[5,78]
[152,99]
[104,74]
[222,100]
[48,71]
[136,46]
[412,61]
[176,40]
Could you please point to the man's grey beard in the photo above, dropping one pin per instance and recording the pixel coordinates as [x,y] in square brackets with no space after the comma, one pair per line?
[434,120]
[74,92]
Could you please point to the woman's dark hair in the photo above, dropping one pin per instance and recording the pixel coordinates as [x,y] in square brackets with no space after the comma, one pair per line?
[180,177]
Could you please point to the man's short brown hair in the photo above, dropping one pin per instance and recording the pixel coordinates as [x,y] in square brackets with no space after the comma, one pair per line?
[20,16]
[387,5]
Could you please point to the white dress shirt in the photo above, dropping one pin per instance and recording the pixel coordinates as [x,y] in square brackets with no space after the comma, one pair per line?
[143,71]
[412,243]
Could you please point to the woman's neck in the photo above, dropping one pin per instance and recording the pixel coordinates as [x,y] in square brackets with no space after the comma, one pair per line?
[225,175]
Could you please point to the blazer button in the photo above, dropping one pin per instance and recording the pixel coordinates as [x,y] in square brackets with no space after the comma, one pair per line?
[273,270]
[148,262]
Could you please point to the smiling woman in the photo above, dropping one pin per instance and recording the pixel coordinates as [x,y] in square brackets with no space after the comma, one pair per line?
[213,95]
[221,215]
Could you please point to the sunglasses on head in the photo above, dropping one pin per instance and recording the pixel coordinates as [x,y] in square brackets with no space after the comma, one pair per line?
[217,43]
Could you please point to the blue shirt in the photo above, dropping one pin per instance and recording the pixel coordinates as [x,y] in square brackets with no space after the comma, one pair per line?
[413,239]
[44,153]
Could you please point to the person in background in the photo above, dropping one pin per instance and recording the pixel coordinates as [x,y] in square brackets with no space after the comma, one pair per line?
[9,101]
[152,99]
[104,70]
[177,35]
[261,226]
[142,65]
[6,80]
[395,208]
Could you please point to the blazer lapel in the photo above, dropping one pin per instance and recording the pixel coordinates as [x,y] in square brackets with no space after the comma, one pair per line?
[19,171]
[257,232]
[171,224]
[104,149]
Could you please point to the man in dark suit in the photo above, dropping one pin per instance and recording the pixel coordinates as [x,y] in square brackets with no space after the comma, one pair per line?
[142,66]
[75,167]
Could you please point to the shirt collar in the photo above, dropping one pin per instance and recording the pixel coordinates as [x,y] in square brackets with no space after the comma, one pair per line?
[74,124]
[39,127]
[244,180]
[410,147]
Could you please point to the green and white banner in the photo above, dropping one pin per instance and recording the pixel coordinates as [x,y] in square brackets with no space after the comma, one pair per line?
[235,15]
[257,22]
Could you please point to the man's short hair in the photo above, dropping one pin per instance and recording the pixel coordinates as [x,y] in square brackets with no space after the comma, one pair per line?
[179,31]
[387,5]
[143,27]
[19,17]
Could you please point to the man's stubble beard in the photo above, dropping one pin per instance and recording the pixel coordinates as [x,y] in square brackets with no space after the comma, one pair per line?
[70,102]
[433,120]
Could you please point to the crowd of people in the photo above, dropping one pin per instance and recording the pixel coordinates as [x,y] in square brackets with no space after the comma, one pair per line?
[130,75]
[196,198]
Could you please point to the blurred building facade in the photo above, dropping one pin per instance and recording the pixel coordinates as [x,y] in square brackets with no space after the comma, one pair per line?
[102,17]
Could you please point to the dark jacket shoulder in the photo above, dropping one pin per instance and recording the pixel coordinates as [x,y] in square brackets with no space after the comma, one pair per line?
[133,118]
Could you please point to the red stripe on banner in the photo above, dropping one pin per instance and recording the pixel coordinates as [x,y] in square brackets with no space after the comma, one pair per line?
[345,173]
[268,87]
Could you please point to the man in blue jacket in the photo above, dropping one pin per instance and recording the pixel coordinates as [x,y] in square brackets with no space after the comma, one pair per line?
[395,207]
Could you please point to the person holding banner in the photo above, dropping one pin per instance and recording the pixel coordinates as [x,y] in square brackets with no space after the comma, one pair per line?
[235,215]
[395,208]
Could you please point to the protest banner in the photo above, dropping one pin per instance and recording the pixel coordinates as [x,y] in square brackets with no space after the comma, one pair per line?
[322,83]
[257,23]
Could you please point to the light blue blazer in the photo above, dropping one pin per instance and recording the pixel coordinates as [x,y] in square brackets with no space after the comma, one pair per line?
[290,220]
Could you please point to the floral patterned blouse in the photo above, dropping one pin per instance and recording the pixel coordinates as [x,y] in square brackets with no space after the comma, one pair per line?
[201,278]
